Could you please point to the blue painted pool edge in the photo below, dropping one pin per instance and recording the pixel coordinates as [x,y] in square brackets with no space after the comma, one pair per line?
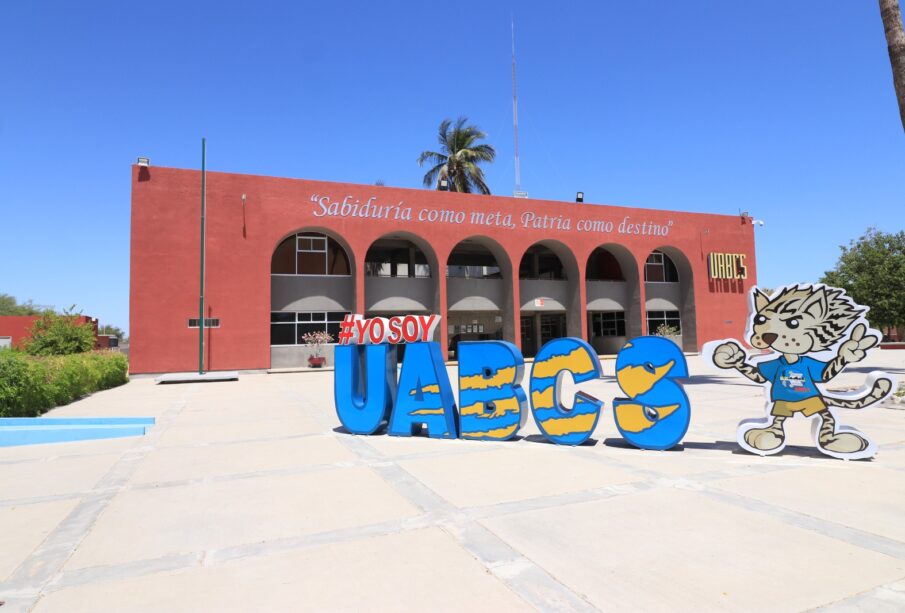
[17,431]
[74,421]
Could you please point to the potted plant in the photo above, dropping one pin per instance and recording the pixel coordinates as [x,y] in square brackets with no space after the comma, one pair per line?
[671,332]
[317,339]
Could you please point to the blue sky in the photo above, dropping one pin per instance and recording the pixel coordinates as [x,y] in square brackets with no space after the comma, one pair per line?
[784,109]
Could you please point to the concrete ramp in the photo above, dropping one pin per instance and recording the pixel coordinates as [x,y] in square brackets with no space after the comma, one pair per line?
[193,377]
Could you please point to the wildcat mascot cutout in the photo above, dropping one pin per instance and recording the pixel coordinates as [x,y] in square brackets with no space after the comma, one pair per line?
[812,332]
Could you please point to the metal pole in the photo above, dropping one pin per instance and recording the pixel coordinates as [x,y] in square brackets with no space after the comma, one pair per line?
[518,170]
[201,301]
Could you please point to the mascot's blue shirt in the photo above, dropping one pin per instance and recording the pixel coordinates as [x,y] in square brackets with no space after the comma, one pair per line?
[792,382]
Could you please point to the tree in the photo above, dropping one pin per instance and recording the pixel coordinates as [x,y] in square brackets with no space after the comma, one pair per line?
[895,41]
[56,334]
[10,306]
[112,331]
[872,271]
[459,158]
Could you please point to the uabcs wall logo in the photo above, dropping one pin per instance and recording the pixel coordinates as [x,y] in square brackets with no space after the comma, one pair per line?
[492,402]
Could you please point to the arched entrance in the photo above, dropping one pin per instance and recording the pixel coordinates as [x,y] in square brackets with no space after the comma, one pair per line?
[401,278]
[669,292]
[478,293]
[549,295]
[312,288]
[613,298]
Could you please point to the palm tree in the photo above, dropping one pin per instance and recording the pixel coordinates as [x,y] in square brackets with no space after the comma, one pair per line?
[895,39]
[458,159]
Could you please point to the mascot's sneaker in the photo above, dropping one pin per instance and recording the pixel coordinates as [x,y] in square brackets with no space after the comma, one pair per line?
[843,442]
[765,439]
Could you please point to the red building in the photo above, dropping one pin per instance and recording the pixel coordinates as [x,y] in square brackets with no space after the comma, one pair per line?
[289,256]
[16,329]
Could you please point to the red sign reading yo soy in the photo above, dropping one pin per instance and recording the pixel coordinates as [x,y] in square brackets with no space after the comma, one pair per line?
[355,329]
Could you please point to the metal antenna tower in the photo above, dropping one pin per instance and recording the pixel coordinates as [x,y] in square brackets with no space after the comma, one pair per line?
[518,170]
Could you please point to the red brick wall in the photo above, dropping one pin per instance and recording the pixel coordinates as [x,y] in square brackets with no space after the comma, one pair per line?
[19,327]
[240,242]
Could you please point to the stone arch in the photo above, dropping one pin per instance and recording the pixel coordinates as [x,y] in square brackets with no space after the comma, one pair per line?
[402,276]
[304,300]
[479,289]
[667,295]
[549,293]
[613,297]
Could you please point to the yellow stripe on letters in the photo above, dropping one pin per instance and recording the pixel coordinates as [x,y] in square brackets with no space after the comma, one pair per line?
[503,377]
[577,361]
[544,399]
[427,389]
[569,425]
[636,380]
[428,412]
[631,417]
[506,405]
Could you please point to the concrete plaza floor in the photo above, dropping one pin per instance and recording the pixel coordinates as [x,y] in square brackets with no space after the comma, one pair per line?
[245,497]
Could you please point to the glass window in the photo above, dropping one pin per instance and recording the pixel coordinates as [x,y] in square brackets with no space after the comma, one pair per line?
[396,258]
[603,266]
[310,253]
[209,322]
[337,260]
[283,262]
[333,329]
[607,323]
[539,262]
[303,329]
[659,268]
[288,327]
[311,263]
[663,322]
[282,334]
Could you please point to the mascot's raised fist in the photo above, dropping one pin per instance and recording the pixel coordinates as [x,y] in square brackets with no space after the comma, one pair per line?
[728,355]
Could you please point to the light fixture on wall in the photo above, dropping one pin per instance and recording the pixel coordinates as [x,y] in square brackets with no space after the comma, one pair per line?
[579,197]
[144,162]
[444,185]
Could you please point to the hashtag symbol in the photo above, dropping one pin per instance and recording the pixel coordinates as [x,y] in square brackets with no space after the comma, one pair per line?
[346,329]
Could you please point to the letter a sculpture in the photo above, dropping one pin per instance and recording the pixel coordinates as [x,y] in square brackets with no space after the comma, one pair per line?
[811,333]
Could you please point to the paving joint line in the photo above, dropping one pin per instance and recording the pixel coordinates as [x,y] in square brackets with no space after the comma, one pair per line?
[836,531]
[28,581]
[525,578]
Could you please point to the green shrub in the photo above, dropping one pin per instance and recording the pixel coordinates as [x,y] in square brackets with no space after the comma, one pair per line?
[23,389]
[30,385]
[54,334]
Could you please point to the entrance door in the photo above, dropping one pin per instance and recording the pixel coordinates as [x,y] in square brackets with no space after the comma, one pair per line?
[552,325]
[529,338]
[547,326]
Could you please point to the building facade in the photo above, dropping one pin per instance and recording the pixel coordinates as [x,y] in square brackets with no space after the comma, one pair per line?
[15,331]
[286,256]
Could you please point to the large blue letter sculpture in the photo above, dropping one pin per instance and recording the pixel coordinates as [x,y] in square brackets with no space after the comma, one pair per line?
[657,413]
[364,395]
[492,404]
[426,396]
[558,424]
